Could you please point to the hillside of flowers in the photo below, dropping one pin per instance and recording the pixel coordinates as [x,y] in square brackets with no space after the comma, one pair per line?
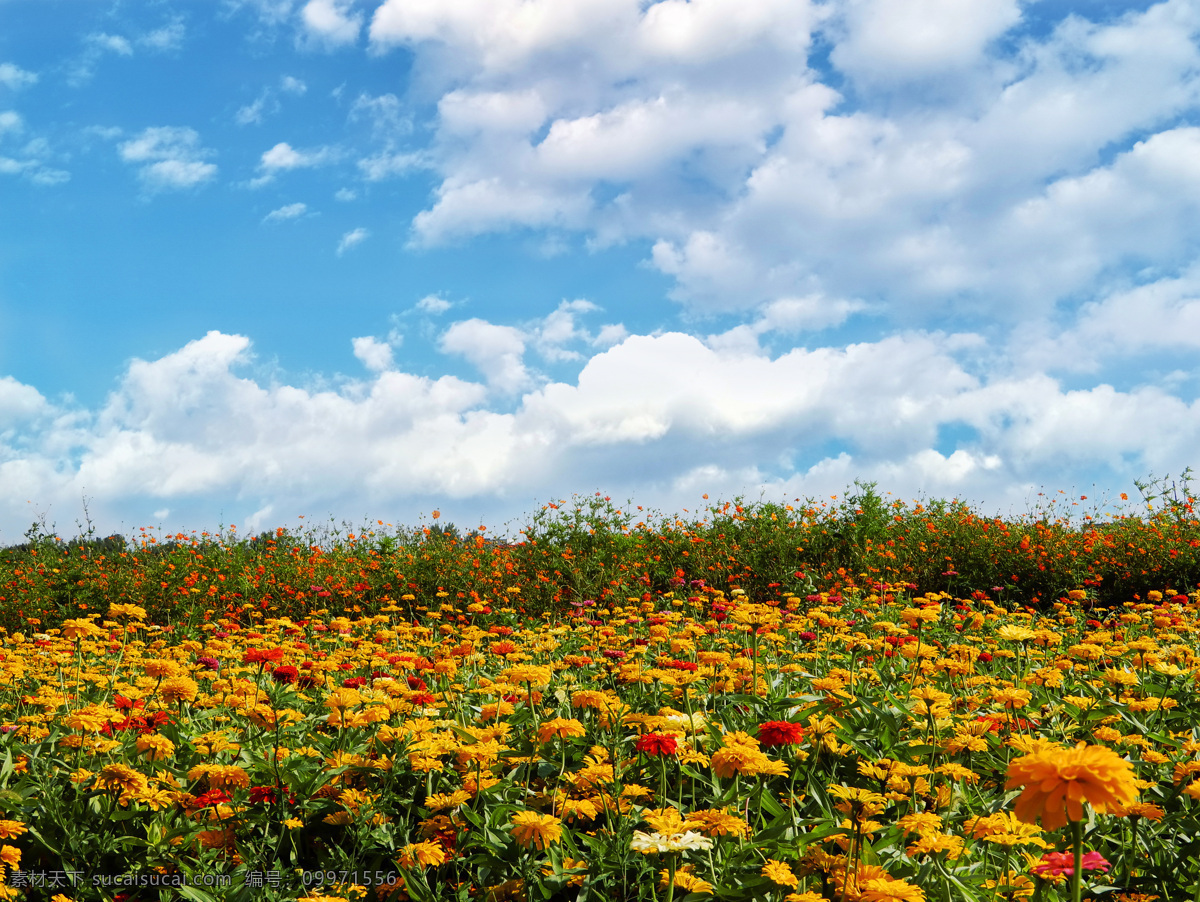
[855,700]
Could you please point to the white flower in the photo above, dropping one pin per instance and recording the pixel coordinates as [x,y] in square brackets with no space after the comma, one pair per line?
[646,843]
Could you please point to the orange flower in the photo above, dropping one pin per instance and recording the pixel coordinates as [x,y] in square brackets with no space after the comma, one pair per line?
[1058,781]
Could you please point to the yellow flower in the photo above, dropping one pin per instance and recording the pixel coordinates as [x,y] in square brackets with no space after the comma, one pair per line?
[126,610]
[537,830]
[1058,781]
[157,745]
[122,777]
[438,801]
[159,668]
[229,775]
[885,889]
[179,689]
[80,629]
[11,856]
[90,719]
[779,873]
[9,829]
[562,728]
[685,880]
[422,854]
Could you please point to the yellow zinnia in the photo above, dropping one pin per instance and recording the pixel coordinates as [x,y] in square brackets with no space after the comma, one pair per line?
[1058,781]
[537,830]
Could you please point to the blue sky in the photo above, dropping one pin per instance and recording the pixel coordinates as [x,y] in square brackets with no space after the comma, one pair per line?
[350,259]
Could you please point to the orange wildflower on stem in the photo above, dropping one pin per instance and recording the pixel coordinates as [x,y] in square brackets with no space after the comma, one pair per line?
[1058,781]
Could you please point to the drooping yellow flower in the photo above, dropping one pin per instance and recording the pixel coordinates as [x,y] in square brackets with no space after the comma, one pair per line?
[537,830]
[1058,781]
[80,629]
[560,728]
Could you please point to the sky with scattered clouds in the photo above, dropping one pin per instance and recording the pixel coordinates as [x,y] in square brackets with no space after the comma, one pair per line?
[361,259]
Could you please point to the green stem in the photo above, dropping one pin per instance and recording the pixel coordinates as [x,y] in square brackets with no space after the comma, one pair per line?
[1077,877]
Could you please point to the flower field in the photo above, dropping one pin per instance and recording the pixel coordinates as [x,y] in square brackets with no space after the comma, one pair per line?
[860,700]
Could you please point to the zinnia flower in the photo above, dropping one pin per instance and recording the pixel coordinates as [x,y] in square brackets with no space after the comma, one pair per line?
[779,873]
[779,732]
[887,889]
[537,830]
[646,843]
[1058,781]
[657,744]
[1055,864]
[562,728]
[424,854]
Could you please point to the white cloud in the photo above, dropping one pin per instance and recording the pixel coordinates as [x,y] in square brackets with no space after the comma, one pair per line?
[496,351]
[351,239]
[330,21]
[385,113]
[169,37]
[700,128]
[892,40]
[10,122]
[433,304]
[291,85]
[375,355]
[253,113]
[169,158]
[386,165]
[290,211]
[111,43]
[14,77]
[189,426]
[284,158]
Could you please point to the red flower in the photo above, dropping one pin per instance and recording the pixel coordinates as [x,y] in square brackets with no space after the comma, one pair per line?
[1056,864]
[416,683]
[262,655]
[780,732]
[212,797]
[657,744]
[285,674]
[354,682]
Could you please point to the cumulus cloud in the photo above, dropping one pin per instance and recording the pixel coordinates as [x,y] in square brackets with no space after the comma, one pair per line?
[193,425]
[169,157]
[375,355]
[351,239]
[896,40]
[284,158]
[496,351]
[918,185]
